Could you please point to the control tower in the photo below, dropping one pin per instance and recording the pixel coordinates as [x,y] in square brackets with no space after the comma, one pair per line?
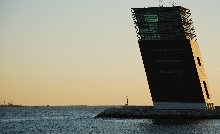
[171,58]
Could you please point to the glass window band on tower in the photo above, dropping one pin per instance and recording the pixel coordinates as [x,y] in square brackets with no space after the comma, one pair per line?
[170,23]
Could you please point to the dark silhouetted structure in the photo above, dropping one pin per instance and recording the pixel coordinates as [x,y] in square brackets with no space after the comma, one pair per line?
[172,59]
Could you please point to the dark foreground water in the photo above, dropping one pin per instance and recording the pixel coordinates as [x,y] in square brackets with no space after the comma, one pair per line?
[76,120]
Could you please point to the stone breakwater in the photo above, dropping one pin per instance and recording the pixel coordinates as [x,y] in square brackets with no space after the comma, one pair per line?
[145,112]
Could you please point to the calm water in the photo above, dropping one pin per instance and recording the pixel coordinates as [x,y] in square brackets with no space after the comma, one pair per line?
[81,120]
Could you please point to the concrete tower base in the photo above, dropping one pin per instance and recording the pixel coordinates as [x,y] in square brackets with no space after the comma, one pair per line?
[182,105]
[179,105]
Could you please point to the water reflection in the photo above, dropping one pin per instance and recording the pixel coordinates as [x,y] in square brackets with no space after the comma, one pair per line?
[182,126]
[176,121]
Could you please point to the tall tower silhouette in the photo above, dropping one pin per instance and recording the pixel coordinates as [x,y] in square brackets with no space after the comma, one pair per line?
[171,58]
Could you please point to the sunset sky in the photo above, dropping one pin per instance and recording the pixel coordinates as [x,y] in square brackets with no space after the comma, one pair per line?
[85,52]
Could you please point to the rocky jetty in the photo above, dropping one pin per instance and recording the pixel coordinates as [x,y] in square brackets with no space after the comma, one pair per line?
[148,112]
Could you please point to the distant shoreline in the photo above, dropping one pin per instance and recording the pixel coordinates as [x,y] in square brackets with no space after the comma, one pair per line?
[44,106]
[62,106]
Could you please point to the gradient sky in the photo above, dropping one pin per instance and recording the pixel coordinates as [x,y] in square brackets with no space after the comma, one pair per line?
[76,52]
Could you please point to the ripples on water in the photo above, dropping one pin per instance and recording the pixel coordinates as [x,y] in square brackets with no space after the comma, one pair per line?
[75,119]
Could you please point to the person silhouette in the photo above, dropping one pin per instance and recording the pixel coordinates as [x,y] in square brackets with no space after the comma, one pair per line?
[127,101]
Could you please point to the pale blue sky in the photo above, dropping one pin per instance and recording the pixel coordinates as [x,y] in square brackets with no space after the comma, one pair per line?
[66,52]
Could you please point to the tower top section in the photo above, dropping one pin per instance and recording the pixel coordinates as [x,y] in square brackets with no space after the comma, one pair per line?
[163,23]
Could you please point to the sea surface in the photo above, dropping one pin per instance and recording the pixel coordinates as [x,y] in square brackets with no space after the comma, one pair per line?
[80,120]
